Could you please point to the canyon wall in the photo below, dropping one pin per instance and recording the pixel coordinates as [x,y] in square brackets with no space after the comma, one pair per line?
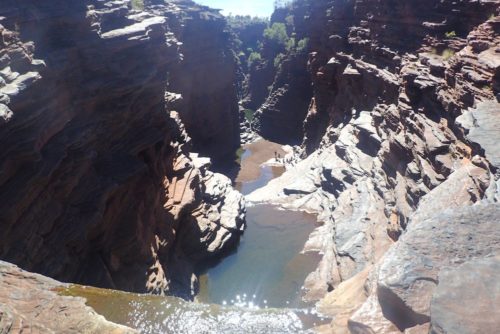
[98,184]
[282,108]
[281,117]
[398,162]
[206,77]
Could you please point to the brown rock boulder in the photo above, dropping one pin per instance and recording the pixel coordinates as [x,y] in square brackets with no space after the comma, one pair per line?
[410,272]
[467,297]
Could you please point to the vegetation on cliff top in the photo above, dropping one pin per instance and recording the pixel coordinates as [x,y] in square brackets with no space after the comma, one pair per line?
[137,4]
[241,21]
[256,40]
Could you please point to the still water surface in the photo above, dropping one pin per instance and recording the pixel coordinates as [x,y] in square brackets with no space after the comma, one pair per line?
[257,289]
[268,268]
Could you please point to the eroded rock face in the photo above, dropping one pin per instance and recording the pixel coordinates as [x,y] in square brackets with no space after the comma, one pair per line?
[29,303]
[206,77]
[482,124]
[97,183]
[383,152]
[281,117]
[260,77]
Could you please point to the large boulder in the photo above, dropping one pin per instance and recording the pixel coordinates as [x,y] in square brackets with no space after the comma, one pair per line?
[467,297]
[410,275]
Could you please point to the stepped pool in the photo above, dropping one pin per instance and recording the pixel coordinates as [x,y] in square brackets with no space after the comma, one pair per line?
[268,268]
[257,289]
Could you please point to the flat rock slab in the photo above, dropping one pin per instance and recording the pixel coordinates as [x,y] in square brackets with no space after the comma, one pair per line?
[483,124]
[409,274]
[467,299]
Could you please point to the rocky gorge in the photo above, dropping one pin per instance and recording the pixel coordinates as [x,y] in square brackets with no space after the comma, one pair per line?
[98,181]
[113,115]
[398,162]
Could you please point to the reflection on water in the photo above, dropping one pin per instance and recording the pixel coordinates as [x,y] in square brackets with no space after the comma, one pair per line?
[156,314]
[267,174]
[267,269]
[256,290]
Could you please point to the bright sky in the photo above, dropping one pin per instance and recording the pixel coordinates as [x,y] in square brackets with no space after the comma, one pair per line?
[241,7]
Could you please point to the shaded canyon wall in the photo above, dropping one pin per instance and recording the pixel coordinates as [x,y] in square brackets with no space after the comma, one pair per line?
[98,184]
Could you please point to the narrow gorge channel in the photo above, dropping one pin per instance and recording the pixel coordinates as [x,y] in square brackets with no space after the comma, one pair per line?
[267,269]
[330,167]
[258,288]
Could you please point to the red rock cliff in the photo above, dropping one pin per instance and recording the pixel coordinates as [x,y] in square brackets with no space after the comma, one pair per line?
[97,183]
[398,161]
[206,77]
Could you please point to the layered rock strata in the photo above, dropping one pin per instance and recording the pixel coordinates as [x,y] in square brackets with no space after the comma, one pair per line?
[407,192]
[281,117]
[206,77]
[281,112]
[97,182]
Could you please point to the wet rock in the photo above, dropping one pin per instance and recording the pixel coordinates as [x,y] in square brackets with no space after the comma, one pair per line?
[30,303]
[218,221]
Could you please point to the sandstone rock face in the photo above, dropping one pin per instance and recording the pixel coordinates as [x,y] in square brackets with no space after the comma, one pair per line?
[246,33]
[29,303]
[206,77]
[483,126]
[281,116]
[464,295]
[411,271]
[386,152]
[97,183]
[260,77]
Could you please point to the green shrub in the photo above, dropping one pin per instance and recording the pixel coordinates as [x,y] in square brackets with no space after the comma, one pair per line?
[280,3]
[239,154]
[240,21]
[237,43]
[278,59]
[290,44]
[302,45]
[249,115]
[253,58]
[447,54]
[451,34]
[138,4]
[277,34]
